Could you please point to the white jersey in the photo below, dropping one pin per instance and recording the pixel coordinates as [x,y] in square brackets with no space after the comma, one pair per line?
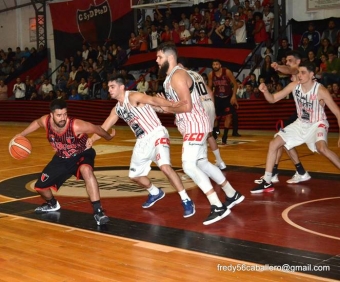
[142,120]
[196,121]
[308,107]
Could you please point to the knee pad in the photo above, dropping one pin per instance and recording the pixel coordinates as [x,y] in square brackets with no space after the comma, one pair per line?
[198,176]
[211,170]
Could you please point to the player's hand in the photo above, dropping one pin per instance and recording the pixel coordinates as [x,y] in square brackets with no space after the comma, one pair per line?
[263,87]
[113,133]
[160,95]
[178,104]
[233,101]
[89,143]
[275,66]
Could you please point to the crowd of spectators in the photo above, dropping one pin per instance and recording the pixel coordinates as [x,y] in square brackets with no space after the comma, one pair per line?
[83,75]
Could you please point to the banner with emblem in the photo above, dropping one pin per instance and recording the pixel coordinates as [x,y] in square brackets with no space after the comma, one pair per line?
[94,22]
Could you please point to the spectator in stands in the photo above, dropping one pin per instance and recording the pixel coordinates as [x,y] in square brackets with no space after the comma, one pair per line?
[305,48]
[72,78]
[239,29]
[121,56]
[195,32]
[224,32]
[268,18]
[325,48]
[104,91]
[27,84]
[81,73]
[35,96]
[166,35]
[19,90]
[332,73]
[74,95]
[330,88]
[240,92]
[331,32]
[133,43]
[154,38]
[204,39]
[50,96]
[78,59]
[129,79]
[311,58]
[207,21]
[234,8]
[284,48]
[143,41]
[93,74]
[267,50]
[323,66]
[110,63]
[336,91]
[312,35]
[185,20]
[100,66]
[45,89]
[250,26]
[3,90]
[31,88]
[10,56]
[252,80]
[219,14]
[249,93]
[85,52]
[142,85]
[260,35]
[336,45]
[92,53]
[185,35]
[258,7]
[266,70]
[83,89]
[176,33]
[62,78]
[61,94]
[196,16]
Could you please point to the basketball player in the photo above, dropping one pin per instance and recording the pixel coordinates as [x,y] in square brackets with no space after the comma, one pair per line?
[311,126]
[152,143]
[68,138]
[291,67]
[207,100]
[193,123]
[224,85]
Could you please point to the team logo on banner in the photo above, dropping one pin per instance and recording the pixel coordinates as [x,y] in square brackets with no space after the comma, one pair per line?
[94,24]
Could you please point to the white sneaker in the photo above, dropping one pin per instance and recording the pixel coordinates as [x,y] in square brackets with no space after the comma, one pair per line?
[275,179]
[221,165]
[299,178]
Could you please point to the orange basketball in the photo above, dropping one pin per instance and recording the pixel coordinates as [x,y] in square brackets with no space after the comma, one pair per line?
[20,147]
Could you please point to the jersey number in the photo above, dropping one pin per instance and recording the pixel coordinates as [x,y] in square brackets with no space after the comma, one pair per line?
[202,90]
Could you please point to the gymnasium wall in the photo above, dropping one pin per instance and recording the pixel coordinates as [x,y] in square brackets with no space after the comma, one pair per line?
[253,114]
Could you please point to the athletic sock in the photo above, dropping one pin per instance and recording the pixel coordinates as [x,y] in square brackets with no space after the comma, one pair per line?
[153,190]
[225,135]
[52,201]
[300,169]
[214,200]
[96,206]
[268,177]
[218,156]
[229,190]
[183,194]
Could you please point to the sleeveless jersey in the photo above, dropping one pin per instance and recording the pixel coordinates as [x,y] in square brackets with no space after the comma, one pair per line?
[222,85]
[142,120]
[196,121]
[66,144]
[308,107]
[203,94]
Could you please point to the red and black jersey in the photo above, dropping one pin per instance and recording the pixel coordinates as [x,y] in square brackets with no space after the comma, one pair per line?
[222,85]
[66,144]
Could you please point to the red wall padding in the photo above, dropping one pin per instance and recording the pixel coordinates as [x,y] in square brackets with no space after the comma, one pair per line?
[253,114]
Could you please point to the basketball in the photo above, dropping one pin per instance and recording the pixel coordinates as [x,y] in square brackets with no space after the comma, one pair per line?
[20,148]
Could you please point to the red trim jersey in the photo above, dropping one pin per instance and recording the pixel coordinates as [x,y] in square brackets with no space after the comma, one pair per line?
[142,120]
[66,144]
[222,85]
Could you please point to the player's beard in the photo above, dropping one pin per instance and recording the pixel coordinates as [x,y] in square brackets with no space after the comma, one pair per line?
[164,69]
[60,124]
[216,69]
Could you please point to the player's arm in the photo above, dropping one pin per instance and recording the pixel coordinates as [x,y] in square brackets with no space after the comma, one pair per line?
[81,127]
[181,82]
[324,95]
[210,80]
[210,93]
[284,69]
[137,98]
[233,99]
[35,125]
[273,98]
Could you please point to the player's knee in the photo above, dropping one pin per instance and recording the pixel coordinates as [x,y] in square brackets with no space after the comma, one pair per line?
[202,164]
[86,171]
[189,167]
[321,147]
[166,169]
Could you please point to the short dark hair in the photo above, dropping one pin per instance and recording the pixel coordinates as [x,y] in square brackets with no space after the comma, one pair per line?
[119,79]
[58,104]
[309,66]
[295,54]
[168,46]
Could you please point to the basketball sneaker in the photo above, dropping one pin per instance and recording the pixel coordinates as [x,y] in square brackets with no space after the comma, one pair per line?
[221,165]
[189,208]
[216,214]
[152,199]
[45,207]
[299,178]
[263,187]
[100,217]
[275,179]
[236,199]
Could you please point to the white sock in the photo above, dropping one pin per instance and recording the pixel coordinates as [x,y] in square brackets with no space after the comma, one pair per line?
[229,190]
[268,177]
[153,190]
[218,156]
[183,194]
[214,200]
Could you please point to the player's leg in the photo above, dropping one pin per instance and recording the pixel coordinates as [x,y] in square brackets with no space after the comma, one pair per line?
[227,124]
[234,114]
[301,174]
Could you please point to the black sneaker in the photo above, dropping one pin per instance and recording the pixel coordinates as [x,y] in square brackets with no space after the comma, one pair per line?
[236,134]
[263,187]
[100,217]
[216,214]
[45,207]
[236,199]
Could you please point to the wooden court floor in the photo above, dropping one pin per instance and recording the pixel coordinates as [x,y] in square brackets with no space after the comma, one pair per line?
[292,234]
